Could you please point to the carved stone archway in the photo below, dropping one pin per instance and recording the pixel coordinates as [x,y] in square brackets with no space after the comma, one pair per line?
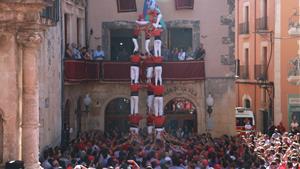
[198,102]
[181,113]
[116,114]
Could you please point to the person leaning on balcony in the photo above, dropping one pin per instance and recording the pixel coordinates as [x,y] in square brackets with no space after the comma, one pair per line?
[75,52]
[200,53]
[181,55]
[68,52]
[85,54]
[98,54]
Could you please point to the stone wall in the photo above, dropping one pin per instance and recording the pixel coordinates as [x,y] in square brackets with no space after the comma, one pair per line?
[223,115]
[222,90]
[10,94]
[50,76]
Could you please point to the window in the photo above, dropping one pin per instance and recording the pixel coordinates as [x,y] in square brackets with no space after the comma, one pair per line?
[126,5]
[180,38]
[51,12]
[79,31]
[264,61]
[121,44]
[246,61]
[184,4]
[66,23]
[247,104]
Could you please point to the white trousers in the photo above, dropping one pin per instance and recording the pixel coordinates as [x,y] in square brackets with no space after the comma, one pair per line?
[147,46]
[149,73]
[157,47]
[134,74]
[150,129]
[157,74]
[134,105]
[158,106]
[136,45]
[158,132]
[150,99]
[134,130]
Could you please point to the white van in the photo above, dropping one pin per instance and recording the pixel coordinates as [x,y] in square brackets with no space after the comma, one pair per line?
[242,116]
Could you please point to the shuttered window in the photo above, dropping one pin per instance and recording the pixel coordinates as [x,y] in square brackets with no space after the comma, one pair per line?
[184,4]
[126,5]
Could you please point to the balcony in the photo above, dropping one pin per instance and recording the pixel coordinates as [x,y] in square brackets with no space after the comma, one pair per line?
[80,71]
[244,28]
[262,24]
[260,72]
[244,72]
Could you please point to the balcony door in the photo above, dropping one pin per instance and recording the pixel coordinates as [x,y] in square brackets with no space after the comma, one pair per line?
[116,115]
[181,114]
[121,44]
[180,38]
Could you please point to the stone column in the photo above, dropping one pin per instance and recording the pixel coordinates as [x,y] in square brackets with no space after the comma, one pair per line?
[30,42]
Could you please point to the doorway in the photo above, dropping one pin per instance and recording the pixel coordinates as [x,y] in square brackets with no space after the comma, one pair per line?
[121,44]
[116,115]
[180,38]
[181,115]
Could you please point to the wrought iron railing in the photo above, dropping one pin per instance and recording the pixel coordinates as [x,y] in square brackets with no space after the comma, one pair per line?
[244,72]
[260,72]
[262,23]
[52,12]
[244,28]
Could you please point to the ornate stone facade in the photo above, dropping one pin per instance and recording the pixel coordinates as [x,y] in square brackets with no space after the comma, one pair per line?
[22,36]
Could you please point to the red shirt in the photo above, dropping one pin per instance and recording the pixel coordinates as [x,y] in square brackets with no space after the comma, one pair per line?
[148,61]
[158,90]
[135,59]
[156,32]
[136,31]
[150,87]
[157,60]
[134,87]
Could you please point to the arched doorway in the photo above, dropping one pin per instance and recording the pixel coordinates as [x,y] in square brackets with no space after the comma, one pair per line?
[116,115]
[181,114]
[1,137]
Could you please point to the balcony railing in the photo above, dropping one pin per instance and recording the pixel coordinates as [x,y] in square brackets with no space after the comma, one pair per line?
[260,72]
[80,70]
[244,72]
[262,23]
[244,28]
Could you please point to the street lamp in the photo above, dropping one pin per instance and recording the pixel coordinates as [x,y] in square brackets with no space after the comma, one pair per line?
[209,103]
[87,101]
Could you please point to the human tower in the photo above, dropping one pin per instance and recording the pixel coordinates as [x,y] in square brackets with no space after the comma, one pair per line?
[152,26]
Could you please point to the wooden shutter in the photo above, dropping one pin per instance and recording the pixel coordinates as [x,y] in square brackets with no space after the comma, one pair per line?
[184,4]
[126,5]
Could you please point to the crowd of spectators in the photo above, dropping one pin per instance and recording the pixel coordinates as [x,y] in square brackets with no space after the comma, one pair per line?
[181,54]
[77,52]
[94,149]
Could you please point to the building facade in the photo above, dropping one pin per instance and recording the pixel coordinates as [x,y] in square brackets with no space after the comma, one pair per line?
[207,22]
[31,79]
[264,53]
